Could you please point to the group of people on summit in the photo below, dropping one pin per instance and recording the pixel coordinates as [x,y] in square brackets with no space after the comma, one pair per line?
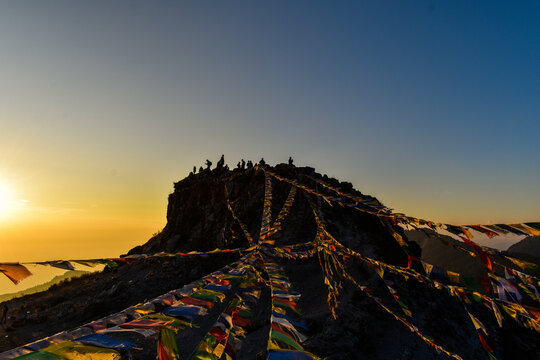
[242,165]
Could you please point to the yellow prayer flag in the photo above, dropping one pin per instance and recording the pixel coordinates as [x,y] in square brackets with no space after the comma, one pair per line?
[526,229]
[452,276]
[399,239]
[70,350]
[379,271]
[203,346]
[477,324]
[467,233]
[218,351]
[497,313]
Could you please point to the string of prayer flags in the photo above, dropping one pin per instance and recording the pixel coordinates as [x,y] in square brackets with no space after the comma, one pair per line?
[372,206]
[511,229]
[142,319]
[225,336]
[240,223]
[61,264]
[283,333]
[526,229]
[528,321]
[104,341]
[336,245]
[482,335]
[248,294]
[267,208]
[410,326]
[484,256]
[534,225]
[213,344]
[167,346]
[284,212]
[488,232]
[74,350]
[17,272]
[295,183]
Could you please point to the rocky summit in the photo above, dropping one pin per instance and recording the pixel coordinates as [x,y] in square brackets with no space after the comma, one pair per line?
[321,271]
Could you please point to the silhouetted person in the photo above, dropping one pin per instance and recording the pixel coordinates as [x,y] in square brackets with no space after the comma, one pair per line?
[238,166]
[243,164]
[221,162]
[262,162]
[290,161]
[249,164]
[201,170]
[226,167]
[194,169]
[208,164]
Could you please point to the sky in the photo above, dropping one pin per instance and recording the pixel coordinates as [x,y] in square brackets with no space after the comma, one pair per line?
[432,107]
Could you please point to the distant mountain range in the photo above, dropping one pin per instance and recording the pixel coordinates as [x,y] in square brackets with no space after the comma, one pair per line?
[530,246]
[43,287]
[440,250]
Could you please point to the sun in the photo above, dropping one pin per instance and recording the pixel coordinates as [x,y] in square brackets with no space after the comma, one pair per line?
[7,199]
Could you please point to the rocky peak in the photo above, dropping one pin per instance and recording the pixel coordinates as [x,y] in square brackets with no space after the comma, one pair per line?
[198,217]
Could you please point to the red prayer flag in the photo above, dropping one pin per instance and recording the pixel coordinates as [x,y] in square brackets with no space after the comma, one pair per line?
[481,229]
[15,271]
[484,256]
[146,324]
[198,302]
[484,343]
[218,333]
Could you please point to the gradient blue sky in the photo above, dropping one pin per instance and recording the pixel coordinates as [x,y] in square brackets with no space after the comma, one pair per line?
[433,107]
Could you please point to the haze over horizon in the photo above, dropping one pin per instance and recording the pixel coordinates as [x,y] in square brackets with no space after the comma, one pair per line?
[431,107]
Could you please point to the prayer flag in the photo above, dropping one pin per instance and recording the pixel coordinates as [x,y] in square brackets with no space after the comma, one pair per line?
[15,271]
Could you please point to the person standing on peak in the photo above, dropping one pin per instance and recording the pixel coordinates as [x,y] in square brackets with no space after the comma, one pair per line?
[221,162]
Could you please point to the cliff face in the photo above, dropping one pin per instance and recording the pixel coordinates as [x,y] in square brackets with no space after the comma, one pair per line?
[198,217]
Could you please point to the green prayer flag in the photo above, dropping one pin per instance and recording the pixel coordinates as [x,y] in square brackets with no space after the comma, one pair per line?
[203,355]
[285,339]
[41,355]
